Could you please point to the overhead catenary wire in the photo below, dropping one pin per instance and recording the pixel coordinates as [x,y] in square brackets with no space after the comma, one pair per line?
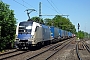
[51,14]
[55,9]
[20,4]
[30,5]
[23,2]
[27,3]
[53,6]
[48,6]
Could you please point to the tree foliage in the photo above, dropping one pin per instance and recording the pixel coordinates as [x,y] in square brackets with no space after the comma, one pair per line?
[58,21]
[82,35]
[48,22]
[61,22]
[37,19]
[7,23]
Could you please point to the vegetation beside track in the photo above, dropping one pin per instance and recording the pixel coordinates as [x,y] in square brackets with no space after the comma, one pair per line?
[8,27]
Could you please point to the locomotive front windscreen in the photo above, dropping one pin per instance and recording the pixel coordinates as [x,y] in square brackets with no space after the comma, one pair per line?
[25,27]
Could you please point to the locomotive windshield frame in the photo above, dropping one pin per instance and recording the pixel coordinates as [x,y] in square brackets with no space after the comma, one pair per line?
[25,27]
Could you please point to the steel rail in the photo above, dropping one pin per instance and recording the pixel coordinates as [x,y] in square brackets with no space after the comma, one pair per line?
[77,52]
[52,47]
[57,51]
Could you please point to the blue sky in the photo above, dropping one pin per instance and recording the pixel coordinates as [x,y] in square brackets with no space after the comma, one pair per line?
[78,10]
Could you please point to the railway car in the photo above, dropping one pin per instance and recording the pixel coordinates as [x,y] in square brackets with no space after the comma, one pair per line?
[73,35]
[61,33]
[31,33]
[69,34]
[66,34]
[54,34]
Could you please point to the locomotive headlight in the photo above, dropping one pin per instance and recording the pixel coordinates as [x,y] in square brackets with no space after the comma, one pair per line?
[17,39]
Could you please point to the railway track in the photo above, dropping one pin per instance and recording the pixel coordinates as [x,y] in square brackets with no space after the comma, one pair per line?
[82,51]
[87,47]
[47,54]
[44,53]
[8,52]
[11,54]
[77,52]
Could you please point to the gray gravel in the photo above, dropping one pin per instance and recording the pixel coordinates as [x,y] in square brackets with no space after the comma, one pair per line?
[68,53]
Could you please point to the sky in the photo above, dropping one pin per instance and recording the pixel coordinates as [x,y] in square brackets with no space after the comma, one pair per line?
[78,10]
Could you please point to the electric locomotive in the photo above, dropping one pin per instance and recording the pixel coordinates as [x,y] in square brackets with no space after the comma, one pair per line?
[30,33]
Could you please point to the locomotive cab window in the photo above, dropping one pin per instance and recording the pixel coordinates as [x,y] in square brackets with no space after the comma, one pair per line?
[25,27]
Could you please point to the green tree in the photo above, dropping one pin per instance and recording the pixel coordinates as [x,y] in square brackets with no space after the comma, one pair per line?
[86,35]
[89,36]
[80,34]
[61,22]
[7,22]
[48,22]
[37,19]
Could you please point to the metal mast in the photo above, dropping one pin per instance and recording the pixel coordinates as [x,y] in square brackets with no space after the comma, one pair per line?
[40,9]
[46,15]
[40,12]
